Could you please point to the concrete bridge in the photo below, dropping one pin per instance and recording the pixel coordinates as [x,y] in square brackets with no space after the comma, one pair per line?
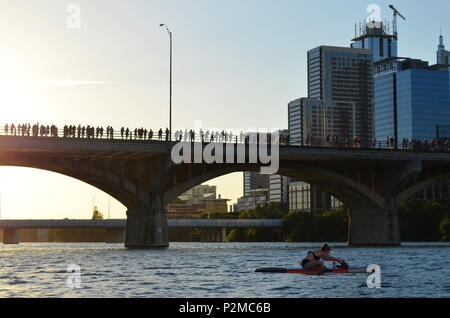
[142,176]
[216,228]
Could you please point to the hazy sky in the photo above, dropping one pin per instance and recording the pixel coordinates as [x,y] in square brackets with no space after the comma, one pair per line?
[237,63]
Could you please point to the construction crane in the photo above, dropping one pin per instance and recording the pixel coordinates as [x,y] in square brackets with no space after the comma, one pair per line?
[396,13]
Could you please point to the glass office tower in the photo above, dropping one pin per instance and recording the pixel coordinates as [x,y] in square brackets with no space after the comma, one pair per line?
[341,74]
[412,99]
[376,36]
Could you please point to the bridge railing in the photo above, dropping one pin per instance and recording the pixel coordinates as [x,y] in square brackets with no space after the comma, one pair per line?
[138,135]
[141,135]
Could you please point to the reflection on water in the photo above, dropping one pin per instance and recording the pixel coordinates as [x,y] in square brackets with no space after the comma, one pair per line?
[216,270]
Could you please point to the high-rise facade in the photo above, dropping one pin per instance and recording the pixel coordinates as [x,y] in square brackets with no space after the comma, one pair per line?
[279,190]
[307,198]
[253,181]
[341,74]
[443,56]
[313,122]
[376,37]
[412,99]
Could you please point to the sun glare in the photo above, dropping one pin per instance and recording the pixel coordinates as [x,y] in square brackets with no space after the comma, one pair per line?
[16,92]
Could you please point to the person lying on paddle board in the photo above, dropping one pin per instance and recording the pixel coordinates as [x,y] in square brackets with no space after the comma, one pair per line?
[313,259]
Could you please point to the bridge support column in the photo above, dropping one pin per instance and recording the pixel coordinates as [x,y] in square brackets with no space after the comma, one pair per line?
[372,227]
[224,234]
[11,236]
[147,226]
[116,236]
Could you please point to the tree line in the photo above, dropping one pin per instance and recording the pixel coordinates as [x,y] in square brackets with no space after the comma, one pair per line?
[420,221]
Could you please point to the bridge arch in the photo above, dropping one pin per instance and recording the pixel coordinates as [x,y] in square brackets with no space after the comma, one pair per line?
[110,188]
[343,188]
[412,190]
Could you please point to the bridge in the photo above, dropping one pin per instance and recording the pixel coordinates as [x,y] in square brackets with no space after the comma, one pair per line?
[142,176]
[217,227]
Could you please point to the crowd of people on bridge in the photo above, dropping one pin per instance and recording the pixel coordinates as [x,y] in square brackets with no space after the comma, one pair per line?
[89,132]
[31,130]
[332,141]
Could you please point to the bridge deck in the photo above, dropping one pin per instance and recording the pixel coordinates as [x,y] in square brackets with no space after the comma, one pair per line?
[208,223]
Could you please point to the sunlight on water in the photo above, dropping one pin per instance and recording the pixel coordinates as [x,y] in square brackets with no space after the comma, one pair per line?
[216,270]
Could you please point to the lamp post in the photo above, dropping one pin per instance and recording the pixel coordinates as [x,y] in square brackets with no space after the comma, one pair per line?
[170,89]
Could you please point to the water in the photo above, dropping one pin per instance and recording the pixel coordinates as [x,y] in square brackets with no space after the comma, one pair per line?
[217,270]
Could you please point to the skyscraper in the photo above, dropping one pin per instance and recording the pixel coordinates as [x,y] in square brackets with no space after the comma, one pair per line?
[376,36]
[341,74]
[412,99]
[312,122]
[255,180]
[443,56]
[279,190]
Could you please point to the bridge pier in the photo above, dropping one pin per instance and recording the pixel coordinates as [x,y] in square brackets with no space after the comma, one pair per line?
[214,235]
[116,236]
[373,227]
[146,228]
[11,236]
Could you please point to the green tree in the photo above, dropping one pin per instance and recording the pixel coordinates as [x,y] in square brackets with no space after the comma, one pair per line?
[269,210]
[236,235]
[444,228]
[96,214]
[304,227]
[420,220]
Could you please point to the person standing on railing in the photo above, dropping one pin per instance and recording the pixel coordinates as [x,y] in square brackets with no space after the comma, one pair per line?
[167,132]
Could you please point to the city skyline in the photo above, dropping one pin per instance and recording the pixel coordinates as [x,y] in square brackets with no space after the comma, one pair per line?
[56,75]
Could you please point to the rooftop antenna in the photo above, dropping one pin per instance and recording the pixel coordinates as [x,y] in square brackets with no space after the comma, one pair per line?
[394,21]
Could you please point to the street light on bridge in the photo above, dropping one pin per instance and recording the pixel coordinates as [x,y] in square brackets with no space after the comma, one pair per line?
[170,89]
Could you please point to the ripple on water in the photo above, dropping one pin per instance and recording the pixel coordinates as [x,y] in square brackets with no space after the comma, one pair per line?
[217,270]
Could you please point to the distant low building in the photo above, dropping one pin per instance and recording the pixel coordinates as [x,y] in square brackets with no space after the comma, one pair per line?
[197,201]
[307,198]
[199,192]
[253,198]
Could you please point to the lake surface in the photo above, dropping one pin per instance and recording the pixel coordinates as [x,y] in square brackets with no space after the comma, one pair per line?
[216,270]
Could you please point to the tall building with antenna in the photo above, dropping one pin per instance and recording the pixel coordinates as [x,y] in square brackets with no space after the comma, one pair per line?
[443,56]
[376,36]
